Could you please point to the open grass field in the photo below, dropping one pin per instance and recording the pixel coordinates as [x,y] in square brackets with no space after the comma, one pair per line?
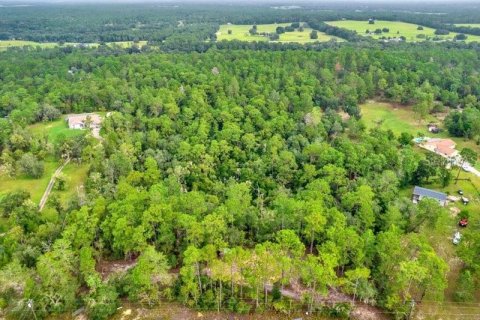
[75,174]
[431,308]
[402,119]
[4,44]
[55,129]
[397,29]
[36,187]
[473,25]
[21,43]
[240,32]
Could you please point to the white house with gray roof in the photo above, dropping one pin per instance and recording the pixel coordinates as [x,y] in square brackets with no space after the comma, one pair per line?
[419,193]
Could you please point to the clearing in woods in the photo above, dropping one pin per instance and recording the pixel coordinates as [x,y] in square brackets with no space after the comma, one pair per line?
[471,25]
[402,119]
[399,118]
[75,174]
[241,32]
[5,44]
[396,29]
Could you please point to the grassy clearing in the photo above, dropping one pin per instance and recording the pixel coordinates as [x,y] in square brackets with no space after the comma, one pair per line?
[21,43]
[398,119]
[402,119]
[442,241]
[55,130]
[397,29]
[35,187]
[5,44]
[76,174]
[240,32]
[472,25]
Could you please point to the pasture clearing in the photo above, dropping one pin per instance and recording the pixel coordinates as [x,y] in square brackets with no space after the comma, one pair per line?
[402,119]
[5,44]
[241,32]
[55,130]
[396,29]
[471,25]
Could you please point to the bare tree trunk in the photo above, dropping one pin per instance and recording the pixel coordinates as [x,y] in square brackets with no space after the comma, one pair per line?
[266,295]
[220,297]
[198,276]
[310,308]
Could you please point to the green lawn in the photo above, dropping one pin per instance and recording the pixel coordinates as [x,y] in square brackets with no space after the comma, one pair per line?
[55,129]
[36,187]
[76,174]
[240,32]
[398,119]
[402,119]
[397,29]
[442,242]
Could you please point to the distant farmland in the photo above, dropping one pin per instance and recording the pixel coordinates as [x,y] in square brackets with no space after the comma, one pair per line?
[241,32]
[410,31]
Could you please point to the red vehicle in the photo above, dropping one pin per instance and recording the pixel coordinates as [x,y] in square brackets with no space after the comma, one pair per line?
[463,222]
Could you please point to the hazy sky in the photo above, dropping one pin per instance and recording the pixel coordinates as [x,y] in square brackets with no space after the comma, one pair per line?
[292,2]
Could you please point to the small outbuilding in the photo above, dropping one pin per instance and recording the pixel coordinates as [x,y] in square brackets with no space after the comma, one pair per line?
[419,193]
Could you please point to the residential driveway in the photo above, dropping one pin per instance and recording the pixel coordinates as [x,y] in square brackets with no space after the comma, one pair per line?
[468,167]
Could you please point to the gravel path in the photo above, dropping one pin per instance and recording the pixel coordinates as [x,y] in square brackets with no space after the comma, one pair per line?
[44,199]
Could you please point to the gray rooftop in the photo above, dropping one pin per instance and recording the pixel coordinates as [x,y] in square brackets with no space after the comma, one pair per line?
[429,193]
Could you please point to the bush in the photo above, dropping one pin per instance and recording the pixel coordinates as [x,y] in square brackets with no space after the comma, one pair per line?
[102,303]
[31,166]
[460,37]
[465,287]
[464,214]
[442,32]
[274,37]
[314,34]
[419,28]
[386,30]
[243,308]
[280,30]
[47,113]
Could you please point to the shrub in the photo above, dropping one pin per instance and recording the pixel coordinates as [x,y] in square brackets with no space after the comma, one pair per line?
[31,166]
[465,287]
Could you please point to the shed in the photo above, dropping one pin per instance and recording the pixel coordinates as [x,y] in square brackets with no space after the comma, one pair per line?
[419,193]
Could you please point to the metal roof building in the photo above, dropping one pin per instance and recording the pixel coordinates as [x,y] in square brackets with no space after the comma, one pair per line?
[419,193]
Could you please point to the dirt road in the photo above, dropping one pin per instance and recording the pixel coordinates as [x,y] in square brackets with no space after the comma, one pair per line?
[44,199]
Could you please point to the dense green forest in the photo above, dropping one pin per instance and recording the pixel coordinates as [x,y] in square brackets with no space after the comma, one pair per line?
[229,172]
